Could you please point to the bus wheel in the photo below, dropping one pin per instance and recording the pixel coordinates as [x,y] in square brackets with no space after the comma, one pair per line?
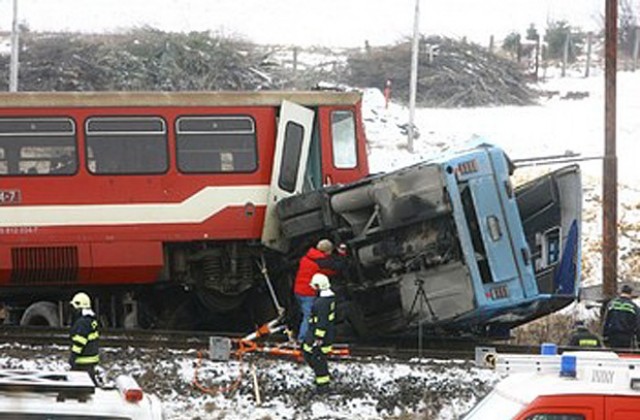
[41,314]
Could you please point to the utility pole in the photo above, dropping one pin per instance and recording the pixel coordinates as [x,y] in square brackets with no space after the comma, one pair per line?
[610,163]
[13,70]
[636,48]
[414,75]
[589,43]
[565,54]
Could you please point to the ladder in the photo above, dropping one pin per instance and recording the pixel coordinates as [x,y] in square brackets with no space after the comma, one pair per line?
[595,367]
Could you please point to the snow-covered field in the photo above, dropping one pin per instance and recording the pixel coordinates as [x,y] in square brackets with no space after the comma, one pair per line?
[382,389]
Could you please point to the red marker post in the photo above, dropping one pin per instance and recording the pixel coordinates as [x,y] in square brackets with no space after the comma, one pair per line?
[387,93]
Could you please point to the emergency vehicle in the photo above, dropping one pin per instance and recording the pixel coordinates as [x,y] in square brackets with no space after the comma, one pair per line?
[584,385]
[28,394]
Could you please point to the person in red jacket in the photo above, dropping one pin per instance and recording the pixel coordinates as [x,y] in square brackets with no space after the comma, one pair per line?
[318,259]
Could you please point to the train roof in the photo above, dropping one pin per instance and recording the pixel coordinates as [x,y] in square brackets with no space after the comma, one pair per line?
[155,99]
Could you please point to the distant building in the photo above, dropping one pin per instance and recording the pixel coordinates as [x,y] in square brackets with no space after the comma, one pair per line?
[5,43]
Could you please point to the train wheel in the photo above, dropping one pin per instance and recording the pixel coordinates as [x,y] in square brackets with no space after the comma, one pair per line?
[217,302]
[42,314]
[184,317]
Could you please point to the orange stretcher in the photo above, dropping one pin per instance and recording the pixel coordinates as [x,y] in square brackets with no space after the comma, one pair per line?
[224,348]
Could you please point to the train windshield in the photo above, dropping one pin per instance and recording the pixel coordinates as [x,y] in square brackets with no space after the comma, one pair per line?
[343,131]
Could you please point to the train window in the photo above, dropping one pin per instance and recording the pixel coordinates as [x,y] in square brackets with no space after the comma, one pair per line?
[293,137]
[343,133]
[38,146]
[211,144]
[126,145]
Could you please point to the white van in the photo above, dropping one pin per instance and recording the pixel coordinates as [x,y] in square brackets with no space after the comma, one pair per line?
[30,395]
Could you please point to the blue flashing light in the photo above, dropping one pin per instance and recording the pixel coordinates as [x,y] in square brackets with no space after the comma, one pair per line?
[548,349]
[568,366]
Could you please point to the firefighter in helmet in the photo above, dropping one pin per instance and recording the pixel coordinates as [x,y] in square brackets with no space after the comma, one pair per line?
[583,337]
[321,332]
[622,320]
[84,335]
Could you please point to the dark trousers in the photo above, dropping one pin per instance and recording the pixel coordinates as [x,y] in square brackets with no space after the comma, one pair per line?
[318,362]
[620,341]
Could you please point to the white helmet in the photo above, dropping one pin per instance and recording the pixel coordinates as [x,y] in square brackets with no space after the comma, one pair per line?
[81,300]
[320,282]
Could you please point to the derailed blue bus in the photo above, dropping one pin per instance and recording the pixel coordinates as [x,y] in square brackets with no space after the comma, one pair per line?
[448,244]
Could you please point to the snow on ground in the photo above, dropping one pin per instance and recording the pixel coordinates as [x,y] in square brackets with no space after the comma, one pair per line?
[363,389]
[385,389]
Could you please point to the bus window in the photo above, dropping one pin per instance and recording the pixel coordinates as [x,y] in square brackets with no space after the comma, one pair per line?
[343,133]
[126,145]
[37,146]
[211,144]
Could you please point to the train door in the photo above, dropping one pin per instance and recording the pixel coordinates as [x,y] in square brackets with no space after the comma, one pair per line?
[290,159]
[342,156]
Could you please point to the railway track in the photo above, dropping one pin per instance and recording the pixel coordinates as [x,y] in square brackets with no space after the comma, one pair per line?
[401,348]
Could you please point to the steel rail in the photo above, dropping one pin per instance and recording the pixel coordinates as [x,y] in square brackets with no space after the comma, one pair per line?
[404,348]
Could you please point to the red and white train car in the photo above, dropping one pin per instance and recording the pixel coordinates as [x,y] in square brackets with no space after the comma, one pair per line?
[147,200]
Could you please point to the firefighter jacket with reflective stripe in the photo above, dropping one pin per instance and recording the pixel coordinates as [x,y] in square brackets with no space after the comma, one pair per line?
[315,261]
[582,337]
[622,318]
[322,322]
[84,341]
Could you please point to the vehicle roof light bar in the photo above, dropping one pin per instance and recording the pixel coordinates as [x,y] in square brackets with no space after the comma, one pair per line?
[129,388]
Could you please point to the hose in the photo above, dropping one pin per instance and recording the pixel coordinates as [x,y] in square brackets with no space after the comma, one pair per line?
[216,389]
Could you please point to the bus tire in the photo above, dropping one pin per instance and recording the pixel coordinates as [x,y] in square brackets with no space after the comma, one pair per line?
[43,314]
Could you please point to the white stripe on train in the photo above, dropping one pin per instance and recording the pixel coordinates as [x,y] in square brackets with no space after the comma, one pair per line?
[197,208]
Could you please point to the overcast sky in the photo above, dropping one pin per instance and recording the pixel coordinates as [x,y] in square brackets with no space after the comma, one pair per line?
[307,22]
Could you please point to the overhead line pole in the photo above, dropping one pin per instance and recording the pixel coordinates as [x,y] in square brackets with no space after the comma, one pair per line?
[13,66]
[610,164]
[414,75]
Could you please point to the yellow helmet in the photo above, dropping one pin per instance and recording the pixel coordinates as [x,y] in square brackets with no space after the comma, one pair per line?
[81,300]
